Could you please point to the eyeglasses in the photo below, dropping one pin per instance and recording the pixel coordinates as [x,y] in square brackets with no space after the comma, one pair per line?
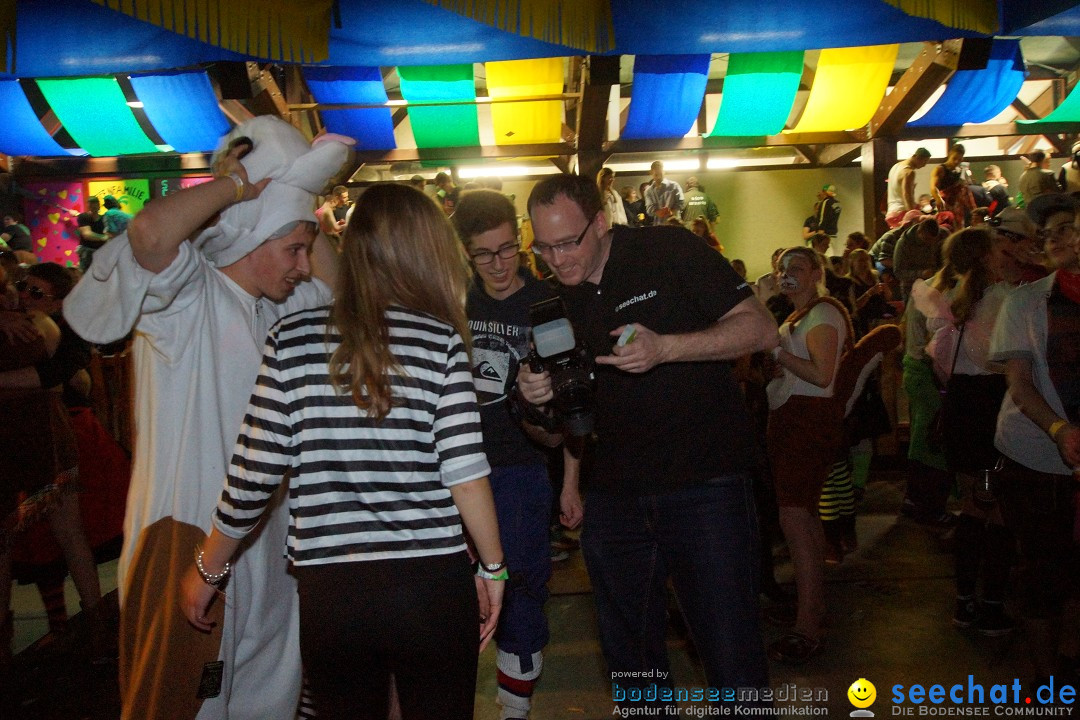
[486,257]
[32,290]
[560,248]
[1062,233]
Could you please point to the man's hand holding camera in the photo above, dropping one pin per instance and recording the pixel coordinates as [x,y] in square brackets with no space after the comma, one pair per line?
[534,387]
[645,351]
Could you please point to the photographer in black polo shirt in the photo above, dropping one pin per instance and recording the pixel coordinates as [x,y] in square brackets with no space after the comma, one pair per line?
[669,495]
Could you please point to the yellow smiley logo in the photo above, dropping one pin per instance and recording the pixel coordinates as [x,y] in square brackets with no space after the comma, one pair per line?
[862,693]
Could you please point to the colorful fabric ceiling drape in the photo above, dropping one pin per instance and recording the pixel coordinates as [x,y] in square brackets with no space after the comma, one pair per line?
[441,125]
[975,96]
[23,133]
[979,15]
[95,113]
[848,86]
[183,109]
[526,122]
[1067,111]
[580,24]
[76,37]
[282,30]
[668,90]
[759,89]
[373,128]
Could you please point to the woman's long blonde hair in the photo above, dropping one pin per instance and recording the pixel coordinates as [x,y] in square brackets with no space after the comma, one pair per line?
[399,249]
[967,258]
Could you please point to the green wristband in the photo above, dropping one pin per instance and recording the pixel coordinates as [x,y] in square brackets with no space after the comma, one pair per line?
[482,573]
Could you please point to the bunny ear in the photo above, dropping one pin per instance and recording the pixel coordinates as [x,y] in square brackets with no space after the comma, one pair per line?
[343,139]
[314,169]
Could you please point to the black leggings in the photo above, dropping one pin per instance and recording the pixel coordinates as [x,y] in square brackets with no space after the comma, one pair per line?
[415,619]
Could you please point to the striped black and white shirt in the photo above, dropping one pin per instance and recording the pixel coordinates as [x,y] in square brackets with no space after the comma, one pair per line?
[358,489]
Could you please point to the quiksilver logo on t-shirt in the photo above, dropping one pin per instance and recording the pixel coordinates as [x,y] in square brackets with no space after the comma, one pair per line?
[635,299]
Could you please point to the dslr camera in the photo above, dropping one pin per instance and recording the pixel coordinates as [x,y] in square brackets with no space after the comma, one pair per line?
[568,363]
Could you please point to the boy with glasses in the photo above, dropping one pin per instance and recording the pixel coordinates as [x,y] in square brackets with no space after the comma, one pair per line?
[498,311]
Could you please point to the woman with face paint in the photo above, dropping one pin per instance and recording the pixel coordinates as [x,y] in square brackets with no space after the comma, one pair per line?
[804,436]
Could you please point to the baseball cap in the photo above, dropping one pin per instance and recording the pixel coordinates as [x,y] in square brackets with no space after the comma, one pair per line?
[829,188]
[1014,221]
[1043,206]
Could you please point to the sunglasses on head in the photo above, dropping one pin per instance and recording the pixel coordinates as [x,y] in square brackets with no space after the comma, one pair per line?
[32,290]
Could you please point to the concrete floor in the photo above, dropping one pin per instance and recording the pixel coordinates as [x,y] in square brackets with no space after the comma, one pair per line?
[889,622]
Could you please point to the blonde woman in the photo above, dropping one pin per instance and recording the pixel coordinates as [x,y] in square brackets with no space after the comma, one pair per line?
[805,436]
[368,405]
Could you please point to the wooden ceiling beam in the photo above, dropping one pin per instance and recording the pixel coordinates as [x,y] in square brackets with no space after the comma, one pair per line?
[267,98]
[710,143]
[600,75]
[839,154]
[933,66]
[973,131]
[806,153]
[1061,143]
[486,152]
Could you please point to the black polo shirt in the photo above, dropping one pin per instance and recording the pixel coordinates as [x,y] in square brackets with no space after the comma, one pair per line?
[680,423]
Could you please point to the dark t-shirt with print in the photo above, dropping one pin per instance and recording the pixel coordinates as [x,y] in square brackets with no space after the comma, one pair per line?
[97,226]
[500,341]
[681,423]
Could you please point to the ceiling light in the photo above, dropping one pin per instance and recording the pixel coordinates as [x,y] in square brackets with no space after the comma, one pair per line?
[505,171]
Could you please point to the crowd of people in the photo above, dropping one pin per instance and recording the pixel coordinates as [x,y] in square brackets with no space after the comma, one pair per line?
[342,482]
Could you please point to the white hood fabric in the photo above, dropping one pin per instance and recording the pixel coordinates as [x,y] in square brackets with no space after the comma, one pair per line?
[298,171]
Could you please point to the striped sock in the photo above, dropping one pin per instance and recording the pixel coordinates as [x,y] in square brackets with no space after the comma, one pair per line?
[517,675]
[305,708]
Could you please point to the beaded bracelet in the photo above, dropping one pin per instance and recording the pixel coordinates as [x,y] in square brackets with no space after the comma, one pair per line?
[214,580]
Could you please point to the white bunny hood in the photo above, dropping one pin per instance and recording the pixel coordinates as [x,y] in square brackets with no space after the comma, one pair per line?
[298,171]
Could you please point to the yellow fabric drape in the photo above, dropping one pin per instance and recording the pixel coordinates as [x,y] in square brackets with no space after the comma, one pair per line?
[978,15]
[516,123]
[283,30]
[579,24]
[848,86]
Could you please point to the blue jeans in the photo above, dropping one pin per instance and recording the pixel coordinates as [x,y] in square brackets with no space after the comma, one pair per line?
[523,505]
[706,539]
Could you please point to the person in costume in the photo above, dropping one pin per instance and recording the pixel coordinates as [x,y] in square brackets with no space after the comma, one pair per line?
[201,276]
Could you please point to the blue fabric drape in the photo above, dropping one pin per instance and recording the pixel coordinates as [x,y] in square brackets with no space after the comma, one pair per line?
[373,128]
[183,109]
[77,37]
[975,96]
[23,133]
[668,90]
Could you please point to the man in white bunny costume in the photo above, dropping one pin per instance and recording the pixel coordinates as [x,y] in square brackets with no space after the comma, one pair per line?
[201,300]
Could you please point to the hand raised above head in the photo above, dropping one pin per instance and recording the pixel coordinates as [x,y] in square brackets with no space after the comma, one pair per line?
[229,165]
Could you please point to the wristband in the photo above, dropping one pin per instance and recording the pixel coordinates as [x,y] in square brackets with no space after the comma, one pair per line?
[1055,428]
[239,186]
[502,574]
[214,580]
